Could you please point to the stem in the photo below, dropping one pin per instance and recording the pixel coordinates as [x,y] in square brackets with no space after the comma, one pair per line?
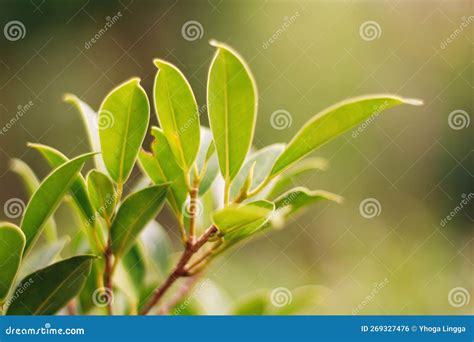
[180,269]
[183,291]
[226,193]
[108,273]
[193,194]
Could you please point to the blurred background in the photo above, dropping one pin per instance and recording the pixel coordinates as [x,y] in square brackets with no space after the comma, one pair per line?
[413,165]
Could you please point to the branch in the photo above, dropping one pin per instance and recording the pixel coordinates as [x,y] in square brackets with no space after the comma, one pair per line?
[180,269]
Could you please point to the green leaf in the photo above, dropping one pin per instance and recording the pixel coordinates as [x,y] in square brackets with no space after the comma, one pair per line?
[133,215]
[263,160]
[162,167]
[287,179]
[102,193]
[158,246]
[300,197]
[91,120]
[51,288]
[332,122]
[134,263]
[239,217]
[177,112]
[31,183]
[232,106]
[47,197]
[78,187]
[42,257]
[206,157]
[123,121]
[12,244]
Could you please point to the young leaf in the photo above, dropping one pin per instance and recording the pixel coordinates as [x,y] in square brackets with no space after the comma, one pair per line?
[31,183]
[133,215]
[208,159]
[123,121]
[47,197]
[177,112]
[102,193]
[298,198]
[78,187]
[12,243]
[331,122]
[232,106]
[287,179]
[264,160]
[157,246]
[237,217]
[42,257]
[51,288]
[161,167]
[91,120]
[134,263]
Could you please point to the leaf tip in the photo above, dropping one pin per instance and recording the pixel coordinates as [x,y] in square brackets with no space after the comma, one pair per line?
[414,102]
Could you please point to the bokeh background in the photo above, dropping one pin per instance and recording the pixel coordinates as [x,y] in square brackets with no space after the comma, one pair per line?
[416,162]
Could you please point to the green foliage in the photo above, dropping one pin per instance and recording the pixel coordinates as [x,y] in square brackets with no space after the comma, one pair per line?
[51,288]
[12,241]
[232,106]
[120,248]
[132,216]
[123,121]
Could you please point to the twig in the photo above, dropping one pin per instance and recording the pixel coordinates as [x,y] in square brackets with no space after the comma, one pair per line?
[183,291]
[108,274]
[180,269]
